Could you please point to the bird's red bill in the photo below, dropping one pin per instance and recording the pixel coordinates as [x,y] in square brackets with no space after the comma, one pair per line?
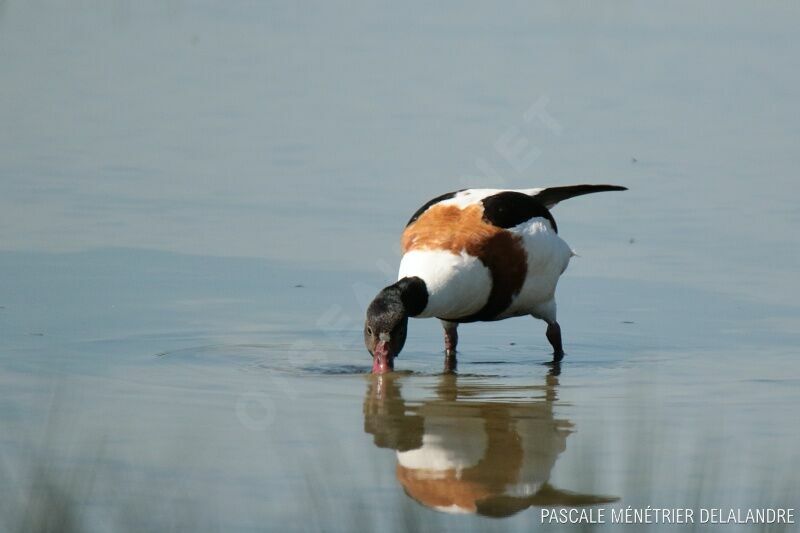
[382,362]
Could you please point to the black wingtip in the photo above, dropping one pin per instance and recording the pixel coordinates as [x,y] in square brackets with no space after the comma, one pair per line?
[604,188]
[553,195]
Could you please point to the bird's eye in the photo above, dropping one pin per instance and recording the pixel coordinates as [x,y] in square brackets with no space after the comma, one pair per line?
[369,331]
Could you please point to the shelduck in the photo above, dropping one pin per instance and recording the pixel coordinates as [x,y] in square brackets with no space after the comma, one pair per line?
[475,255]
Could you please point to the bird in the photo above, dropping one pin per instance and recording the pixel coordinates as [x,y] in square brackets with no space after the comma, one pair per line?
[475,255]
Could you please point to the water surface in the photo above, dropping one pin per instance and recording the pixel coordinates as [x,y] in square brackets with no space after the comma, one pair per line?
[198,201]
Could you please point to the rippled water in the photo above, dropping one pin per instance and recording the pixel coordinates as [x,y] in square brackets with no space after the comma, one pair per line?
[198,201]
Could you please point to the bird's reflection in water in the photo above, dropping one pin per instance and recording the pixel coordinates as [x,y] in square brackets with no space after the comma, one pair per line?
[474,447]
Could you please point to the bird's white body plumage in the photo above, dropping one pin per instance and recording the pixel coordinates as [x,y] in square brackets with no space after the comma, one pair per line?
[459,284]
[548,256]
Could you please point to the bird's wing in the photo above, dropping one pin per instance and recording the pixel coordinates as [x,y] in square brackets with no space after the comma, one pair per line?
[502,208]
[506,208]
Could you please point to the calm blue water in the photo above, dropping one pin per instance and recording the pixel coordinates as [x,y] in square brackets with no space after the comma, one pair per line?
[197,202]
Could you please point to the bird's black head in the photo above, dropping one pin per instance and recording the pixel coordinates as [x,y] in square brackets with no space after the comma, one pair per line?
[387,320]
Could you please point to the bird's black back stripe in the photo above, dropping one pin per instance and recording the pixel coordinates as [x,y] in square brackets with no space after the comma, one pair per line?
[508,209]
[425,207]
